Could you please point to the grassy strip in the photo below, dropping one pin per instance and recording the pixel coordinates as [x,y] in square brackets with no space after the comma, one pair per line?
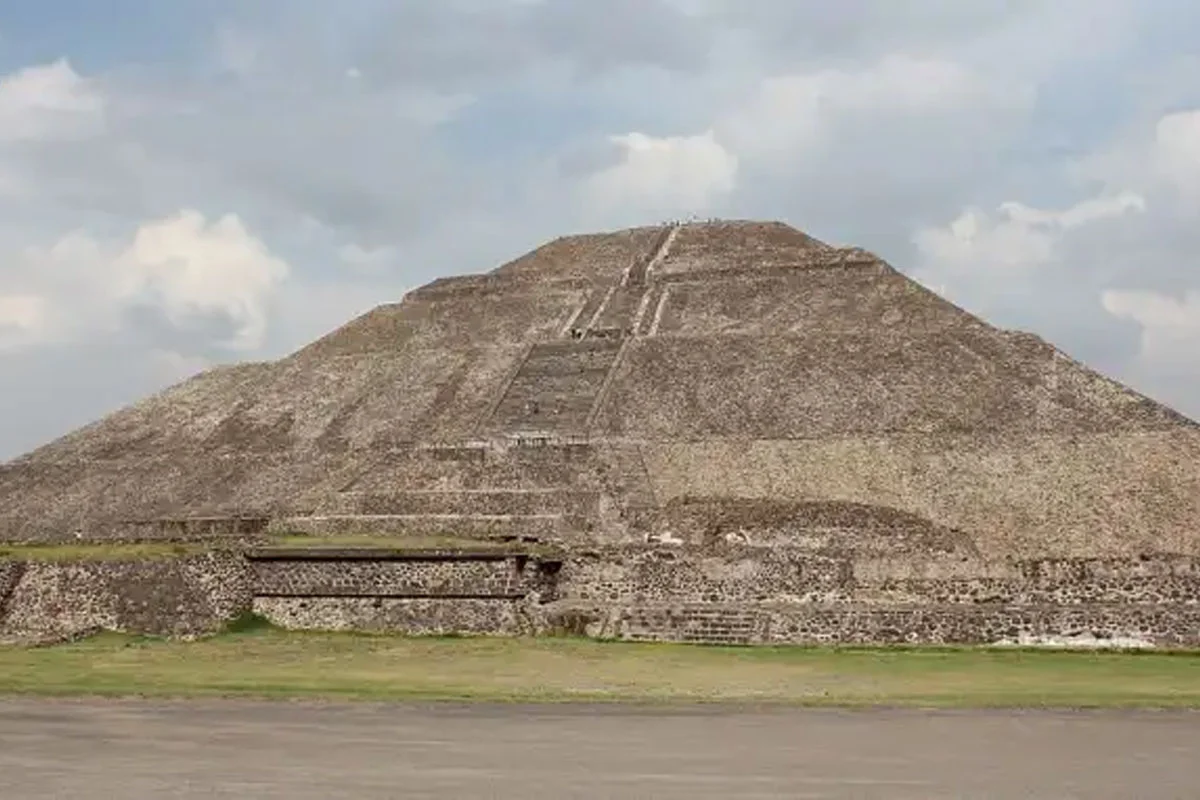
[262,662]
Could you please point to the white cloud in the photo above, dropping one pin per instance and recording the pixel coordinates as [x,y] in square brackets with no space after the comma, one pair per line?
[1082,213]
[1177,150]
[1129,253]
[1017,237]
[1170,326]
[668,175]
[789,113]
[1160,154]
[48,101]
[181,265]
[22,318]
[192,268]
[71,283]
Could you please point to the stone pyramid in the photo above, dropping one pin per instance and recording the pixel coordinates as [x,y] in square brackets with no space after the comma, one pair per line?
[636,385]
[702,432]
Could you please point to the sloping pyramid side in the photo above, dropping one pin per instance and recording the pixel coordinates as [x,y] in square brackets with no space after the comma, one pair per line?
[729,360]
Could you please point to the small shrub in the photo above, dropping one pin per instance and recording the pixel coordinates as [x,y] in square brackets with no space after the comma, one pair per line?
[248,622]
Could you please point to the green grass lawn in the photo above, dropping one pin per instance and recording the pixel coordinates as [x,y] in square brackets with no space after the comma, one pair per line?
[273,663]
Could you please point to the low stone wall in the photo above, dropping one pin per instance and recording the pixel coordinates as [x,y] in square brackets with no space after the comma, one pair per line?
[10,575]
[675,575]
[1124,624]
[412,593]
[175,597]
[821,624]
[1144,591]
[728,595]
[764,575]
[409,615]
[386,578]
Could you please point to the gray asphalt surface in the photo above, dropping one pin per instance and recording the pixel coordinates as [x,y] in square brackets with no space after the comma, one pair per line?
[128,749]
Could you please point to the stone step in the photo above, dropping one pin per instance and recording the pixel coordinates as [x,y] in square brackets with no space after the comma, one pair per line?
[524,502]
[469,576]
[510,464]
[505,527]
[618,315]
[686,639]
[697,614]
[555,388]
[659,631]
[691,625]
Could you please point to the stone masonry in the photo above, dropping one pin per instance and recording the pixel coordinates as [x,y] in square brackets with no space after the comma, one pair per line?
[727,432]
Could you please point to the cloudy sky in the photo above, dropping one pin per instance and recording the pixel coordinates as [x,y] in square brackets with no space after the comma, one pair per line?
[205,181]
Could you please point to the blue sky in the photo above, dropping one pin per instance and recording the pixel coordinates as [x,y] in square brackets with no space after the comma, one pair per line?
[106,34]
[191,183]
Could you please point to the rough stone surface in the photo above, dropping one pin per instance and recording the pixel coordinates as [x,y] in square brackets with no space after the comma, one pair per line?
[373,578]
[411,615]
[809,624]
[175,597]
[10,576]
[732,415]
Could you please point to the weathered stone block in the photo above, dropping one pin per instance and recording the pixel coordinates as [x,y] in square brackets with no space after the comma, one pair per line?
[413,616]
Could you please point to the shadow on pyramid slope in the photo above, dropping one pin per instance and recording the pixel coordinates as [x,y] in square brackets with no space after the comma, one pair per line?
[574,393]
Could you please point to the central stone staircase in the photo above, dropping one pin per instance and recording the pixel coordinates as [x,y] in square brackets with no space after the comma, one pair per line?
[531,475]
[555,389]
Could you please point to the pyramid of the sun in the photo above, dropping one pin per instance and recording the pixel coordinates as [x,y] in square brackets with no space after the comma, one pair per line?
[674,384]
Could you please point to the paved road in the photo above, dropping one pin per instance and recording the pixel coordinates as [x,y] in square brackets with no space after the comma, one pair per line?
[91,749]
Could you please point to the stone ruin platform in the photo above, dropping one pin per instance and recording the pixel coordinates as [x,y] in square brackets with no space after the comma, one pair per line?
[722,432]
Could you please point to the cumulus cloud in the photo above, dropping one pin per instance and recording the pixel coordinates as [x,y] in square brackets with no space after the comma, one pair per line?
[1016,237]
[788,113]
[1169,337]
[182,266]
[48,101]
[190,268]
[1170,325]
[1090,275]
[673,175]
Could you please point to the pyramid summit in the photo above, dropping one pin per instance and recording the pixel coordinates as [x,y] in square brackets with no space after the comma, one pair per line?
[718,413]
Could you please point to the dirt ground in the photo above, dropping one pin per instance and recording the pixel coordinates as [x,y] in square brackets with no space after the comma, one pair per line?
[155,749]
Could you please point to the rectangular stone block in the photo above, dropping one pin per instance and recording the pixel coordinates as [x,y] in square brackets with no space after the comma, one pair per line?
[371,578]
[412,616]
